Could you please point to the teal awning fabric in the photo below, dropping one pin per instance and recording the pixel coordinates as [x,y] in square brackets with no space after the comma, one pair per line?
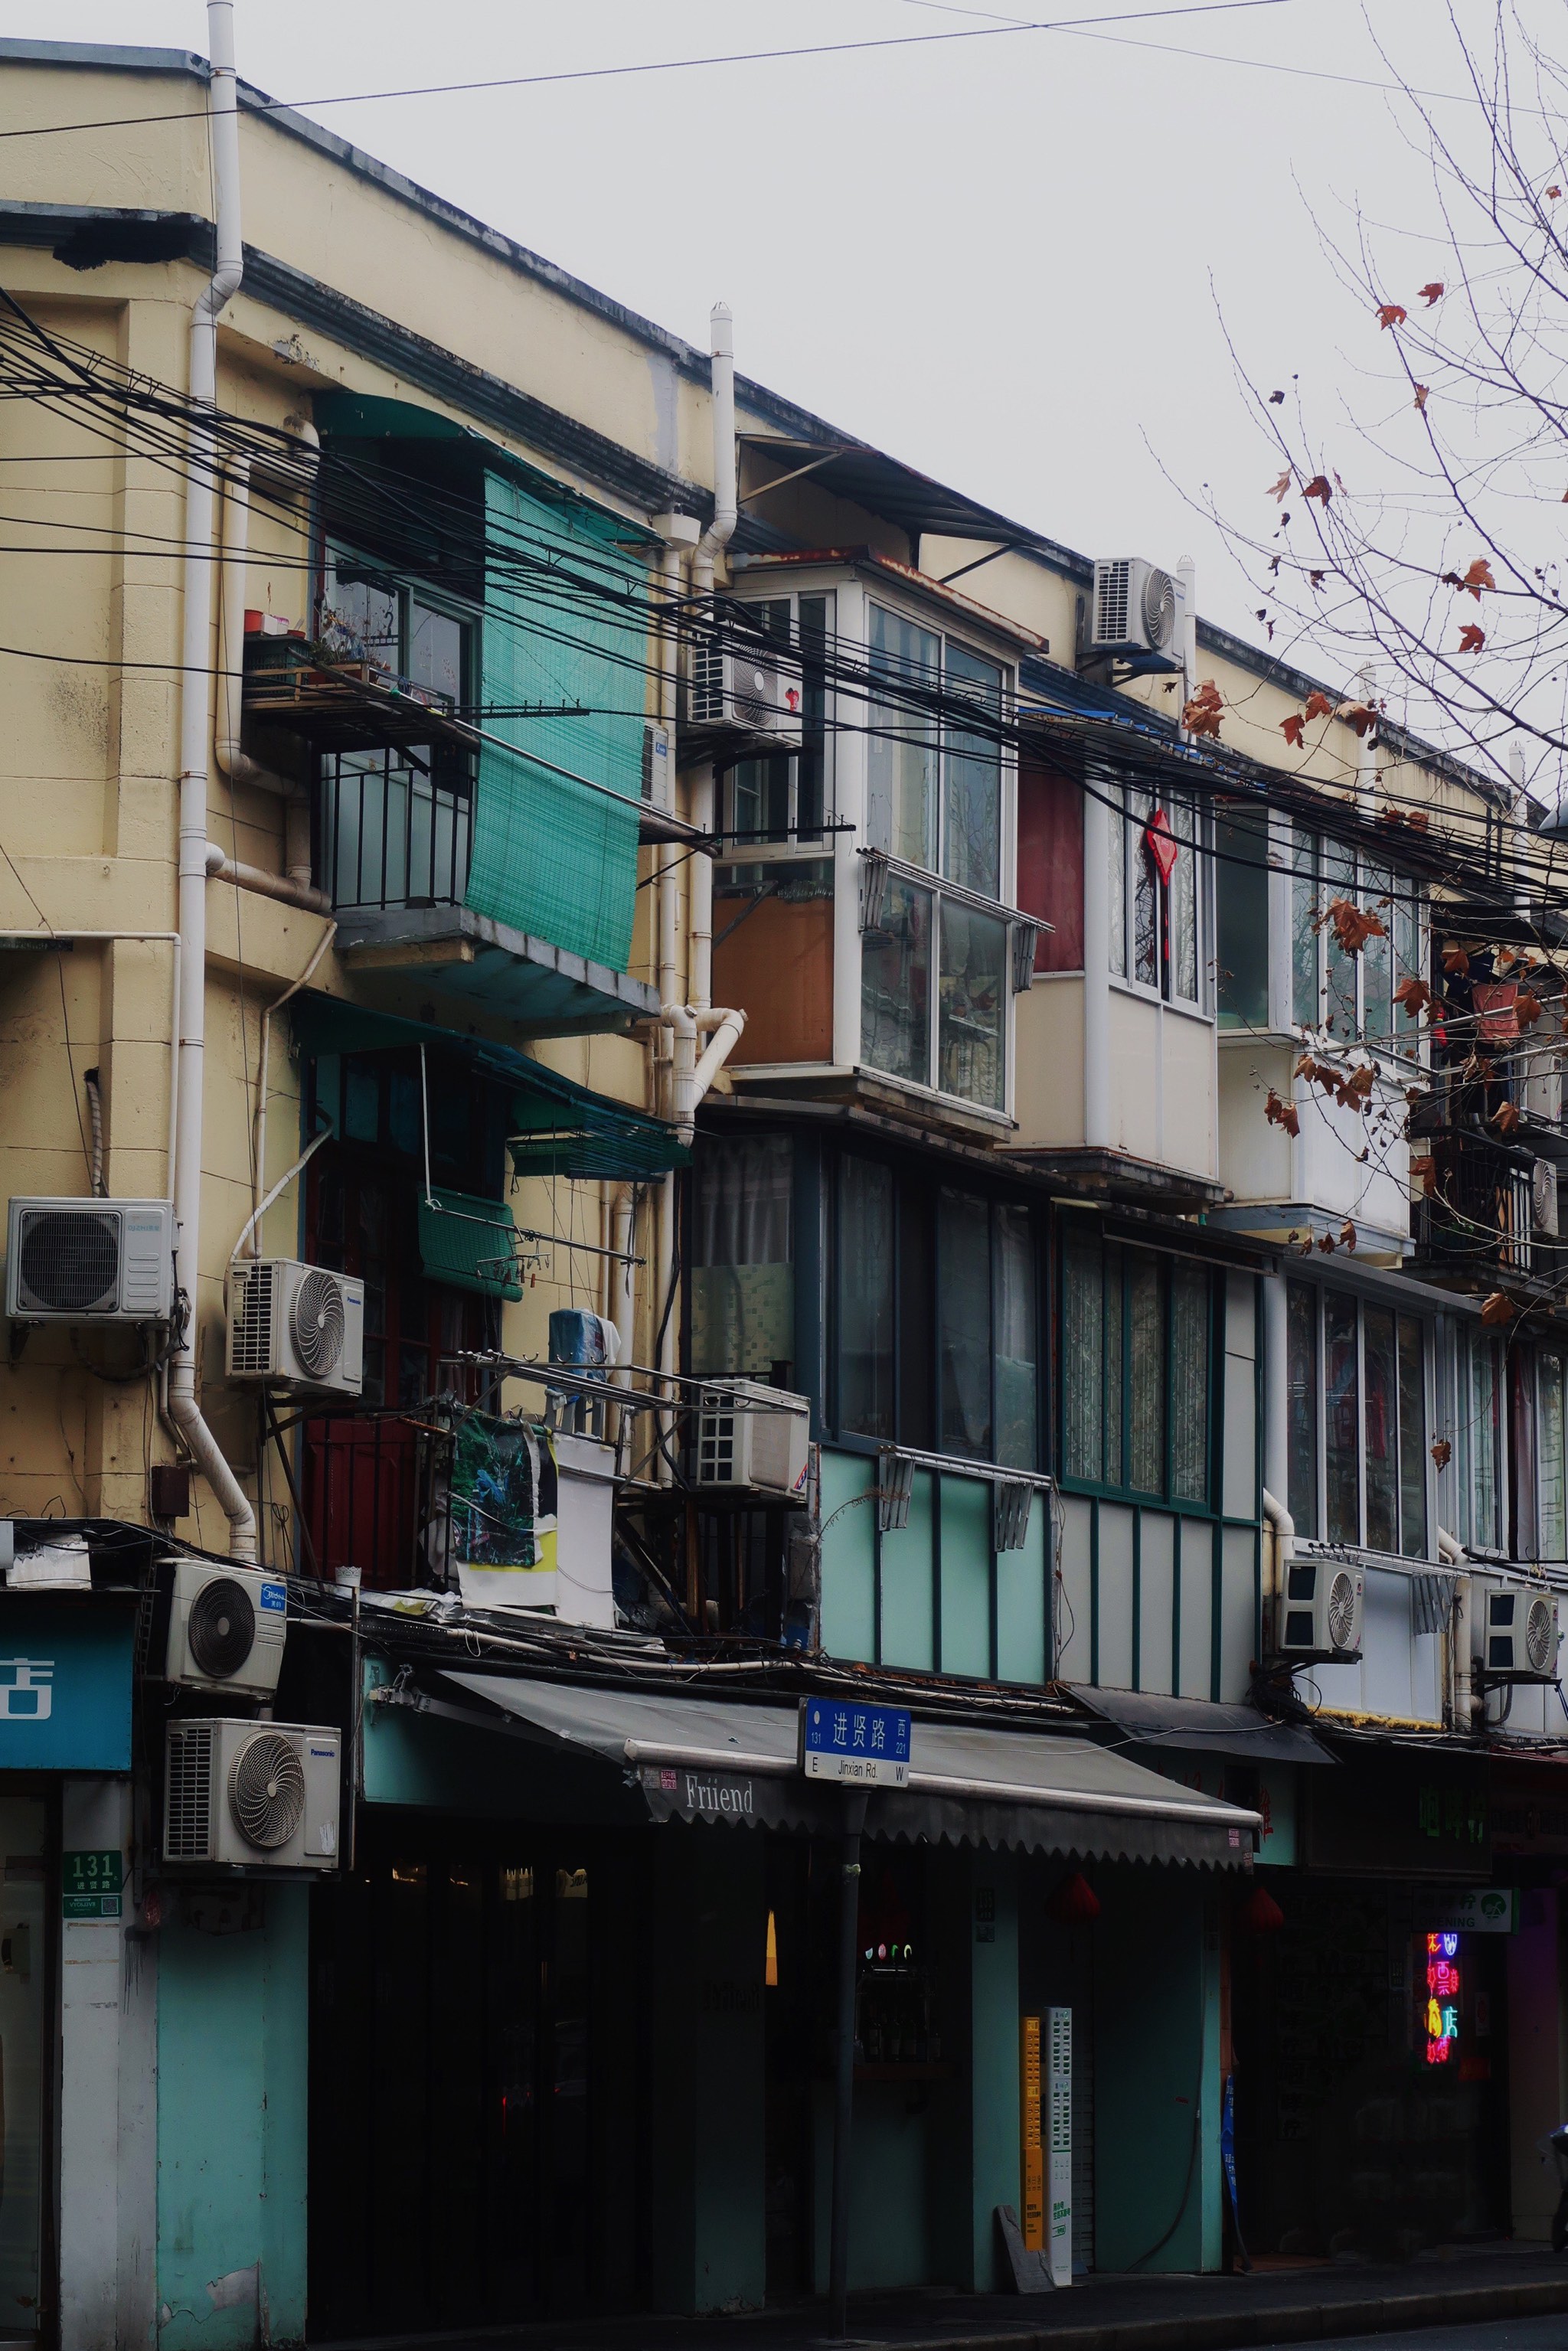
[565,637]
[469,1244]
[562,1128]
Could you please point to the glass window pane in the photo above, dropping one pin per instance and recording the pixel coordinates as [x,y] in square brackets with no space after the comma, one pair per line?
[972,819]
[1302,1378]
[1116,876]
[743,1282]
[973,995]
[435,651]
[1082,1352]
[1381,1429]
[1189,1385]
[1407,956]
[1306,1009]
[1412,1438]
[1146,895]
[896,986]
[916,1313]
[1338,882]
[865,1298]
[1242,885]
[1342,1395]
[901,750]
[360,616]
[1018,1350]
[1553,1493]
[1146,1339]
[1115,1365]
[1377,960]
[1184,907]
[964,1322]
[1483,1443]
[810,768]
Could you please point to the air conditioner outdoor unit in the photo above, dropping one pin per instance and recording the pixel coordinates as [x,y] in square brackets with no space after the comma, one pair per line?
[89,1261]
[1543,1195]
[750,690]
[1139,615]
[252,1796]
[754,1439]
[297,1326]
[226,1629]
[1521,1633]
[1318,1618]
[658,766]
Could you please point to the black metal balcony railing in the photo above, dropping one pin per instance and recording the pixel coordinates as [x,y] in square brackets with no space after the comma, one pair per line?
[1480,1211]
[389,834]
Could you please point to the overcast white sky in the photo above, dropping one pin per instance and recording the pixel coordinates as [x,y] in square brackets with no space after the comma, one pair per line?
[1003,258]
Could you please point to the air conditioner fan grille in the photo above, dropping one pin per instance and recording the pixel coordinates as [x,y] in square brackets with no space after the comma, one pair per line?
[317,1323]
[1540,1636]
[267,1790]
[69,1262]
[221,1628]
[1342,1612]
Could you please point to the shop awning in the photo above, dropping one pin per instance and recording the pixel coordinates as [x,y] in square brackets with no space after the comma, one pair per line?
[1197,1726]
[560,1128]
[693,1758]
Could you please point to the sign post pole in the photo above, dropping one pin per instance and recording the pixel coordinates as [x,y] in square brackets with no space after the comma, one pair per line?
[862,1747]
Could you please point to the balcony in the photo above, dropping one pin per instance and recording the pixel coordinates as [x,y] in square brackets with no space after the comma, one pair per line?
[1477,1220]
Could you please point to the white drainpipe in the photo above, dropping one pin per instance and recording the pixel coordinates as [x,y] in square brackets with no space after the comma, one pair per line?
[195,728]
[717,535]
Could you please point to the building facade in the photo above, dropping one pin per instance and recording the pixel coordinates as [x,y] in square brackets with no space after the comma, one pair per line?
[724,1103]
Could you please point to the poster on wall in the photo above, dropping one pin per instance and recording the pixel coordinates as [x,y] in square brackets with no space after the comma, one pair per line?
[1059,2144]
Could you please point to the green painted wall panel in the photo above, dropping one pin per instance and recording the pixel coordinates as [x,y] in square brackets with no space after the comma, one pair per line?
[232,2028]
[1021,1602]
[1156,1556]
[1156,2090]
[908,1623]
[965,1577]
[849,1557]
[889,2246]
[994,2065]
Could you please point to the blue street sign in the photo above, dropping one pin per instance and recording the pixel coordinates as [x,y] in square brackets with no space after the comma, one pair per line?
[844,1738]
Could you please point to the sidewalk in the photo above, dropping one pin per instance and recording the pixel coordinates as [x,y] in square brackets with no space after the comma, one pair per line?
[1112,2314]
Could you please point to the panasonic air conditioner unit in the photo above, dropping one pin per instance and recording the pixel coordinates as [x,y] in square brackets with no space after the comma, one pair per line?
[251,1795]
[226,1629]
[297,1326]
[1139,614]
[752,690]
[89,1261]
[1318,1618]
[1521,1633]
[754,1439]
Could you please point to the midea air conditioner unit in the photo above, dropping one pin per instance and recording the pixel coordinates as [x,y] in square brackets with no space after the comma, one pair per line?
[226,1629]
[89,1261]
[1521,1634]
[658,767]
[750,690]
[754,1439]
[1319,1617]
[1139,615]
[297,1326]
[254,1795]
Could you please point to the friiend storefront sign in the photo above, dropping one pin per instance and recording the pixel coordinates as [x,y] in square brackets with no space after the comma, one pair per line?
[65,1685]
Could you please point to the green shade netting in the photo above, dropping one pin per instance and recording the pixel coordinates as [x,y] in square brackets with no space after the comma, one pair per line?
[560,1128]
[470,1244]
[566,624]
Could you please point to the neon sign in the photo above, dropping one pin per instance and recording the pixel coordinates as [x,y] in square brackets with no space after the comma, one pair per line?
[1441,2016]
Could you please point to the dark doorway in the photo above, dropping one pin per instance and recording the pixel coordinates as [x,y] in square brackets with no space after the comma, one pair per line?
[475,2080]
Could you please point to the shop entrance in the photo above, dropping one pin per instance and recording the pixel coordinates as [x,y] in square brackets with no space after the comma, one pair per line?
[475,2075]
[23,1926]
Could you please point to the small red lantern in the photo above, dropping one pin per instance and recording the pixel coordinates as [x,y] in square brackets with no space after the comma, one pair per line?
[1260,1914]
[1162,844]
[1074,1903]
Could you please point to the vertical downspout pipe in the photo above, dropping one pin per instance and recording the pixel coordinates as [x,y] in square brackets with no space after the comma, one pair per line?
[714,541]
[195,722]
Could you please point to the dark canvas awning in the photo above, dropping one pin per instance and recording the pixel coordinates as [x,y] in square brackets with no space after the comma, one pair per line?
[693,1759]
[1197,1726]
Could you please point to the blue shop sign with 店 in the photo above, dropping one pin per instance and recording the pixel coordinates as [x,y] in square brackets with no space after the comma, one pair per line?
[65,1685]
[843,1739]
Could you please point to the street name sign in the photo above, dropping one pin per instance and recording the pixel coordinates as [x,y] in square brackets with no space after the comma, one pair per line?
[844,1738]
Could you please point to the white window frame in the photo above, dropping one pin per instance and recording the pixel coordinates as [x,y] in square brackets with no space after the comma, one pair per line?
[1119,789]
[1321,1292]
[793,849]
[1414,1052]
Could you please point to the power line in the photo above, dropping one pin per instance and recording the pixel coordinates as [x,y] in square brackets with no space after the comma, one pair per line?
[259,105]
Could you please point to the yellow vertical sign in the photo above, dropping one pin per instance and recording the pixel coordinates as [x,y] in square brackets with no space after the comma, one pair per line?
[1034,2212]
